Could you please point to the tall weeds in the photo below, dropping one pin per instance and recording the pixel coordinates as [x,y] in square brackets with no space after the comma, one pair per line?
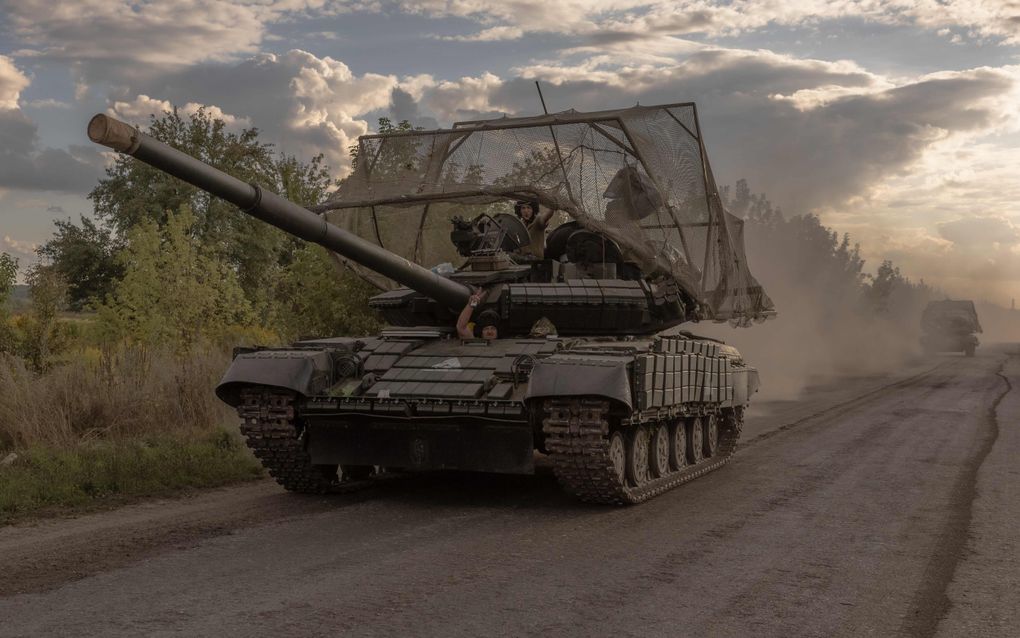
[119,393]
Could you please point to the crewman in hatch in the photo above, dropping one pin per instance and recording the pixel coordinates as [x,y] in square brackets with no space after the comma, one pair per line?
[486,324]
[537,220]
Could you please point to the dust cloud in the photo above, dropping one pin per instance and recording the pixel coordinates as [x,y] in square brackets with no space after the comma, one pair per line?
[835,320]
[818,335]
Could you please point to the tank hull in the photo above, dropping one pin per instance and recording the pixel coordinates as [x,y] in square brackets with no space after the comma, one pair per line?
[417,401]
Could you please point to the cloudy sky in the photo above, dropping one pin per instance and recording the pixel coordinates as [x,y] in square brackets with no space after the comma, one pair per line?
[896,121]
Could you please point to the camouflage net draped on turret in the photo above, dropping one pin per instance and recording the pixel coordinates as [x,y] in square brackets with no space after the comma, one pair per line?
[638,175]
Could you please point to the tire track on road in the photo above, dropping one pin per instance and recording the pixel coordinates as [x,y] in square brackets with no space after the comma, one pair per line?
[931,602]
[896,385]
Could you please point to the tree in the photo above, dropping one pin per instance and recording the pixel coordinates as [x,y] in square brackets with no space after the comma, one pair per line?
[8,275]
[134,193]
[175,289]
[85,256]
[315,302]
[386,126]
[42,335]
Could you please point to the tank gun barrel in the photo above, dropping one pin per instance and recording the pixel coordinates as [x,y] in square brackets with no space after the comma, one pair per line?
[274,209]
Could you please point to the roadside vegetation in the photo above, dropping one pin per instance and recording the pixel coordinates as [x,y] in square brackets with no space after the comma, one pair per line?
[107,371]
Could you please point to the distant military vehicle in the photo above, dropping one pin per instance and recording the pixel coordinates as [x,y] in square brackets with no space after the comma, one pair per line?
[588,367]
[950,326]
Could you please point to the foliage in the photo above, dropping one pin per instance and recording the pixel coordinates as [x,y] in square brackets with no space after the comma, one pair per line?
[124,421]
[85,256]
[539,167]
[386,127]
[39,334]
[134,193]
[43,477]
[888,291]
[175,290]
[8,275]
[317,301]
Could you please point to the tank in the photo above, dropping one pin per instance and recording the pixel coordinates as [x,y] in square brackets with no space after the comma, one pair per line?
[589,371]
[950,326]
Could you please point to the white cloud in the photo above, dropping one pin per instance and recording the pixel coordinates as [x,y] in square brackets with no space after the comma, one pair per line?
[466,97]
[625,21]
[19,247]
[980,231]
[530,15]
[23,162]
[303,103]
[147,33]
[49,103]
[139,110]
[12,83]
[492,34]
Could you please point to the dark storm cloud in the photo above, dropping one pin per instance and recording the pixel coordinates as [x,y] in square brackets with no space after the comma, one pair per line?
[26,165]
[403,106]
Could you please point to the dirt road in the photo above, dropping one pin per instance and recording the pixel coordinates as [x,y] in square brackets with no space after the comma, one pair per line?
[872,507]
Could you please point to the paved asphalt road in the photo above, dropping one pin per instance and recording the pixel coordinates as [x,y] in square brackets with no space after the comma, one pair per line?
[881,507]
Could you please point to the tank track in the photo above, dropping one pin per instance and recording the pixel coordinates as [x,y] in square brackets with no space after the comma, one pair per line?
[577,435]
[269,424]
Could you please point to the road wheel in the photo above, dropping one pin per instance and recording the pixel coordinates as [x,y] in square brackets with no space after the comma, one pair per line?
[659,451]
[637,456]
[711,435]
[678,445]
[695,444]
[618,454]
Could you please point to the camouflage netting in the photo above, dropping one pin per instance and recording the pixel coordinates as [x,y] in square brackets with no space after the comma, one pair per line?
[638,175]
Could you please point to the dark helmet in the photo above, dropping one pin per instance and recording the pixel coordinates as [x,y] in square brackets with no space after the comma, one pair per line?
[524,202]
[486,318]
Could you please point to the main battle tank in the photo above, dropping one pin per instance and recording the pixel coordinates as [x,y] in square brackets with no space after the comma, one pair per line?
[589,367]
[950,326]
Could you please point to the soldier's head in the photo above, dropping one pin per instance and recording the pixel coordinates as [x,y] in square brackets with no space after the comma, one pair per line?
[526,210]
[487,325]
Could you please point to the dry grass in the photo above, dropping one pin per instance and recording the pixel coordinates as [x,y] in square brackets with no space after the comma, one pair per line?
[108,425]
[113,395]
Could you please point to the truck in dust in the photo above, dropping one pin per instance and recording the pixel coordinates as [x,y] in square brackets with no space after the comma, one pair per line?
[950,326]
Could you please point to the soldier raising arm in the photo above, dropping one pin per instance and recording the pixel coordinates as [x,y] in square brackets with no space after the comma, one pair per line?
[536,220]
[463,329]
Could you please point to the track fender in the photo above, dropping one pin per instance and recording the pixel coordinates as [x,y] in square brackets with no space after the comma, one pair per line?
[558,377]
[305,372]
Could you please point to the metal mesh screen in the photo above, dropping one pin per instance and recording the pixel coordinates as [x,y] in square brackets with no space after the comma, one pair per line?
[638,175]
